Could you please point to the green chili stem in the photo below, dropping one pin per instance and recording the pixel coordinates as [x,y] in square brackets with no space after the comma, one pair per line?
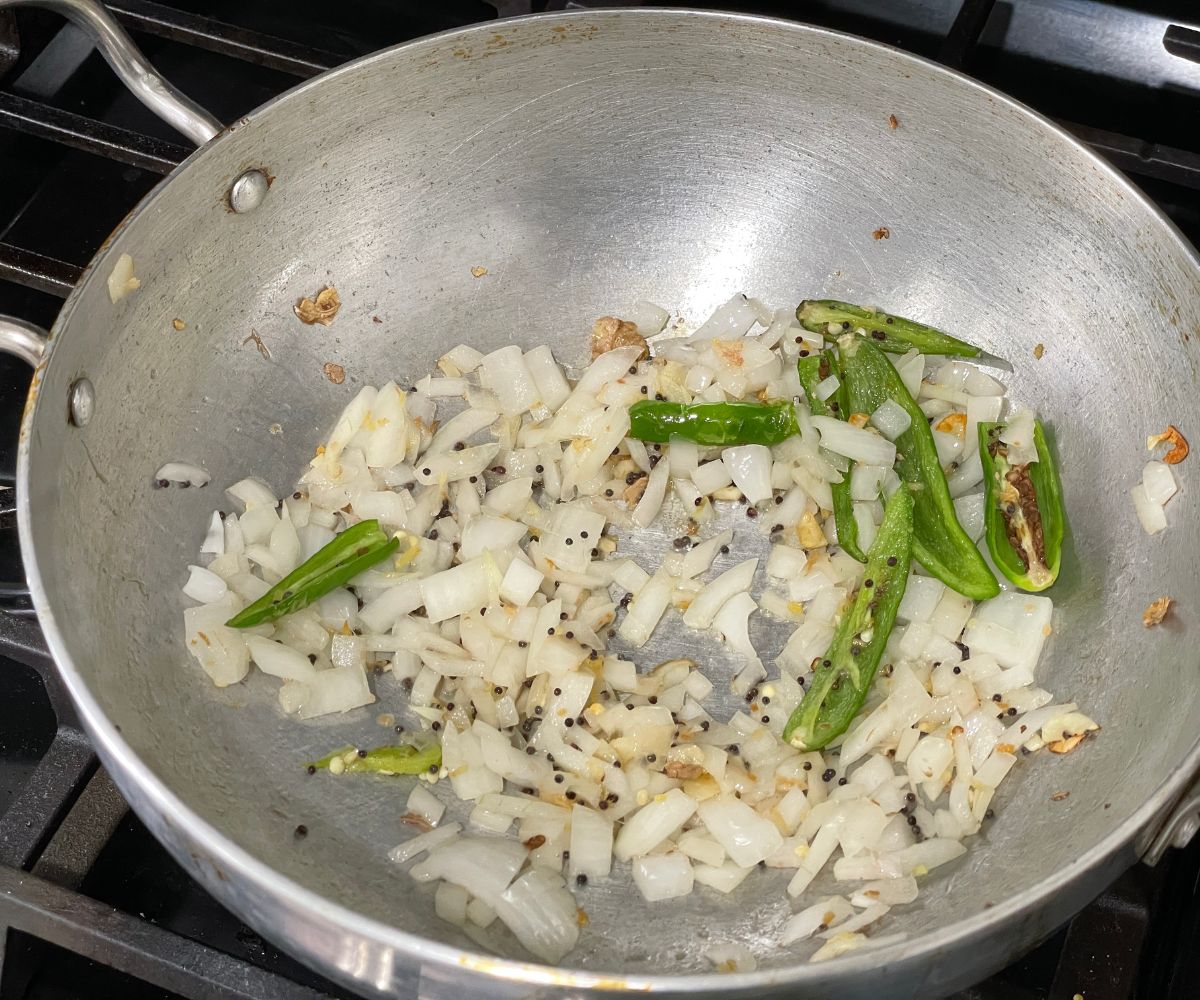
[845,674]
[714,425]
[355,549]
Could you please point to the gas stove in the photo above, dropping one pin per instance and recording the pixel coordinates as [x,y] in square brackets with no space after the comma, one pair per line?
[90,905]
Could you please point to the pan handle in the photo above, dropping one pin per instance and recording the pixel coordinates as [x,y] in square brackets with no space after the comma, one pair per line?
[1181,825]
[22,340]
[134,69]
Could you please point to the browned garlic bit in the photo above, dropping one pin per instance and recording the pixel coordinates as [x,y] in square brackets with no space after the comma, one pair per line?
[1157,611]
[609,333]
[321,310]
[335,373]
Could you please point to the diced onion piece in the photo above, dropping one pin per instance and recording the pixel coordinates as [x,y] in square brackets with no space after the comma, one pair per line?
[521,581]
[483,866]
[663,876]
[591,843]
[825,913]
[827,387]
[705,605]
[1011,627]
[647,317]
[505,372]
[856,443]
[1017,433]
[423,842]
[423,803]
[460,589]
[121,279]
[750,467]
[646,609]
[653,823]
[1159,482]
[541,913]
[1152,516]
[450,903]
[891,419]
[204,585]
[747,837]
[278,660]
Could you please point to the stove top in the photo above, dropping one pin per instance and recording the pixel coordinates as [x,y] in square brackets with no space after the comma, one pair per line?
[90,904]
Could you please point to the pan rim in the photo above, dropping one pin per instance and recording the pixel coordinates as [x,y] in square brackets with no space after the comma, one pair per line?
[153,794]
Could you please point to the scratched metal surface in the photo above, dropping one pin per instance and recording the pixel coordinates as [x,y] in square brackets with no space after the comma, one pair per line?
[587,161]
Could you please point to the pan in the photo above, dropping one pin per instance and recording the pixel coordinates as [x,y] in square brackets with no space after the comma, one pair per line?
[587,159]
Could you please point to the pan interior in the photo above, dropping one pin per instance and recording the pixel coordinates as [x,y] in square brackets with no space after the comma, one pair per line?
[587,163]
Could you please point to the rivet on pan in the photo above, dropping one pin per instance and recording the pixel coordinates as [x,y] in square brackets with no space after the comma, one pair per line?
[81,402]
[248,191]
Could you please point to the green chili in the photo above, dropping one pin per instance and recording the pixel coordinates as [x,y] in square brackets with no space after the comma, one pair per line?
[714,425]
[842,679]
[1023,510]
[354,550]
[894,334]
[402,759]
[939,542]
[812,370]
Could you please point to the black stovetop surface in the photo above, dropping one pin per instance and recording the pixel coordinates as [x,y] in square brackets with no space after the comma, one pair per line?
[104,911]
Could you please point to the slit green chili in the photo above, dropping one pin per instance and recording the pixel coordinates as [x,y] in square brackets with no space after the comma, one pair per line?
[355,549]
[844,675]
[939,542]
[894,334]
[812,370]
[714,425]
[1024,515]
[402,759]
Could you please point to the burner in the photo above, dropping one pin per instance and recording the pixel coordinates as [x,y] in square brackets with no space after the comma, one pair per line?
[92,905]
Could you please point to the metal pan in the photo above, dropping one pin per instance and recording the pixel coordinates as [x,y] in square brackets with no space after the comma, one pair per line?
[587,160]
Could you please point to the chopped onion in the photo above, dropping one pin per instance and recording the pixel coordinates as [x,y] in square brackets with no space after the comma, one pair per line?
[704,607]
[856,443]
[541,913]
[750,467]
[747,837]
[423,842]
[891,419]
[1151,515]
[663,876]
[1159,482]
[652,824]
